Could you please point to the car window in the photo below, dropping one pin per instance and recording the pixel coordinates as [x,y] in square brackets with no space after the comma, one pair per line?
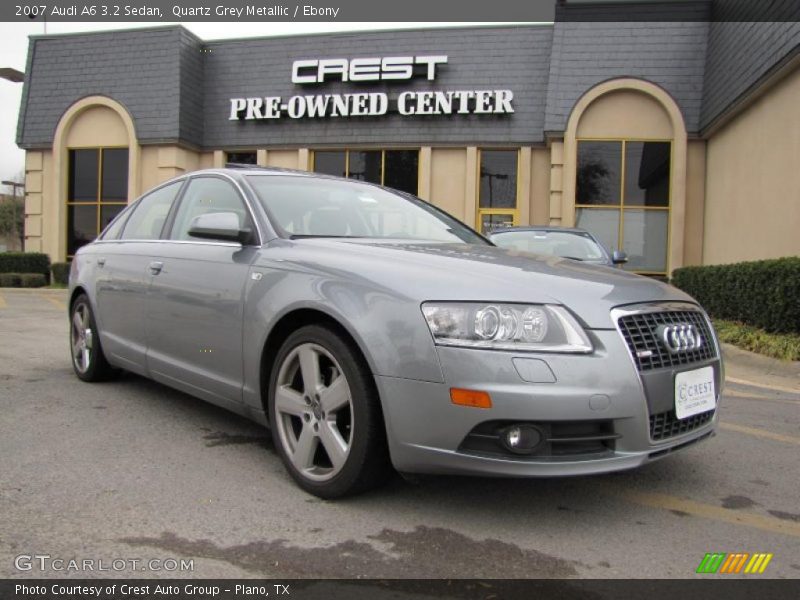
[113,230]
[320,207]
[207,195]
[567,244]
[150,213]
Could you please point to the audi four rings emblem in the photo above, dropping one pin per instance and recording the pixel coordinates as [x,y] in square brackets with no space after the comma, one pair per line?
[681,337]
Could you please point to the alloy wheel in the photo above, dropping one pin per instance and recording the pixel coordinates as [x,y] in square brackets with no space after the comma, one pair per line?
[82,338]
[314,412]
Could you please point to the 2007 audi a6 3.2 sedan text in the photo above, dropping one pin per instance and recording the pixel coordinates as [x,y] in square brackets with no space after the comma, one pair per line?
[369,329]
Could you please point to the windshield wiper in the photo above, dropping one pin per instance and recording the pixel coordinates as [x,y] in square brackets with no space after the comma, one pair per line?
[573,258]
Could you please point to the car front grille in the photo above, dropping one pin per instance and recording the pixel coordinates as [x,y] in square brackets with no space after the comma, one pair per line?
[666,425]
[640,333]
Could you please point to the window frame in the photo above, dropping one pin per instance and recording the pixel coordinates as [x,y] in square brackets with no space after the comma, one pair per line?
[479,212]
[169,224]
[137,204]
[98,203]
[383,150]
[621,206]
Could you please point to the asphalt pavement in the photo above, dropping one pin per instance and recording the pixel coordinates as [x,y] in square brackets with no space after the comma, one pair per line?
[133,471]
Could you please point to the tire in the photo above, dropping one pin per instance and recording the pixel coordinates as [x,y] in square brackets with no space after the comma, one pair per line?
[332,440]
[88,360]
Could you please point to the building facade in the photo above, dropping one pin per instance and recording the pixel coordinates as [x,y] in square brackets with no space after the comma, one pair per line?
[676,141]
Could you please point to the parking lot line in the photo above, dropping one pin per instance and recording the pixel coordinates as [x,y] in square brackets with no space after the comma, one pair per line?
[709,511]
[770,435]
[54,301]
[766,386]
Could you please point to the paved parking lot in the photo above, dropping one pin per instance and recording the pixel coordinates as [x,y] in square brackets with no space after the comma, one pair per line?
[133,470]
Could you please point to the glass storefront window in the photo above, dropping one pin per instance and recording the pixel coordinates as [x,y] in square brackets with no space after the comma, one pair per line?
[401,170]
[83,175]
[498,179]
[242,158]
[622,195]
[115,175]
[97,191]
[365,165]
[398,169]
[647,173]
[645,240]
[331,162]
[497,195]
[602,222]
[81,225]
[599,169]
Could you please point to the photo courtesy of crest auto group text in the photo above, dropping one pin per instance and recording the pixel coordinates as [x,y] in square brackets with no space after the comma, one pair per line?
[317,301]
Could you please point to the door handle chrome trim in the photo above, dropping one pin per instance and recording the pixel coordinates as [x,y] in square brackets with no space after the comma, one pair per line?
[156,266]
[101,262]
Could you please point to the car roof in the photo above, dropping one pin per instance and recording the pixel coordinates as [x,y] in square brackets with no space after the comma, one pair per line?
[539,228]
[243,169]
[238,170]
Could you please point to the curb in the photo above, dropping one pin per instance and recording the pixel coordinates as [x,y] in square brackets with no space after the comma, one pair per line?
[760,370]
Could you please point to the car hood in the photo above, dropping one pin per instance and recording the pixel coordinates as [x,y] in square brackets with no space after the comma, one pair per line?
[465,272]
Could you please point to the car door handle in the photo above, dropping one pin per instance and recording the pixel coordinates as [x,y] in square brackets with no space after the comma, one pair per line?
[101,262]
[156,266]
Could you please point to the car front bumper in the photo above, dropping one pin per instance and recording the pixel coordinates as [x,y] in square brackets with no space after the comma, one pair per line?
[428,433]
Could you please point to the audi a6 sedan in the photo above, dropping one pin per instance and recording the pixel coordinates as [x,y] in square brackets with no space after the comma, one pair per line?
[369,330]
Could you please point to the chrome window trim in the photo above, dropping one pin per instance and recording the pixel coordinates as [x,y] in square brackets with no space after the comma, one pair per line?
[208,243]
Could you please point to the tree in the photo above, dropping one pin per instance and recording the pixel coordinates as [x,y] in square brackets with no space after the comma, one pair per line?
[12,218]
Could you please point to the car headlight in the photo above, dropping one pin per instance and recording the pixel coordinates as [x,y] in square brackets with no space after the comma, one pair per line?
[531,328]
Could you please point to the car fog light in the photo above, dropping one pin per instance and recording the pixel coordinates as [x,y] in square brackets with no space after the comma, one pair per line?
[521,439]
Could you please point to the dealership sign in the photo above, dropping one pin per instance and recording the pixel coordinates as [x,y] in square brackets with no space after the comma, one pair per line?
[370,104]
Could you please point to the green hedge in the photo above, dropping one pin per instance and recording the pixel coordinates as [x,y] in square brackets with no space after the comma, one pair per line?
[10,279]
[61,273]
[25,262]
[764,293]
[26,280]
[32,280]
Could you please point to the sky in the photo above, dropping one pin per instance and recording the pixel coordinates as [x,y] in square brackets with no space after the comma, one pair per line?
[14,50]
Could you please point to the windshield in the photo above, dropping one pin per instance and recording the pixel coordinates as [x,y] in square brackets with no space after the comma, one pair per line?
[568,244]
[318,207]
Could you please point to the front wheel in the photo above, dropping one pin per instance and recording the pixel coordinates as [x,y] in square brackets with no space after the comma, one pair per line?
[325,415]
[88,360]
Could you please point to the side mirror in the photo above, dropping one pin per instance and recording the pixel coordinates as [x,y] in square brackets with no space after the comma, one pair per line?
[618,257]
[219,226]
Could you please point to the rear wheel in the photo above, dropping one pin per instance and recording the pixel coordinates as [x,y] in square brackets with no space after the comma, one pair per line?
[325,415]
[88,360]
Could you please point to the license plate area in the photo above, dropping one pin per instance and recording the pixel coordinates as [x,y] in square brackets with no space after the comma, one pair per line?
[695,392]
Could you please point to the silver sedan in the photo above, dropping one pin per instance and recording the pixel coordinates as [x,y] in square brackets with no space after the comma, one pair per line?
[370,330]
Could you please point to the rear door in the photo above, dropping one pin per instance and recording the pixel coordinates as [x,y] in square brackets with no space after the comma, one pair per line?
[126,278]
[195,305]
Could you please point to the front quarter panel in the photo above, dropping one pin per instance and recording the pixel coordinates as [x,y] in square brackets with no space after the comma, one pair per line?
[388,327]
